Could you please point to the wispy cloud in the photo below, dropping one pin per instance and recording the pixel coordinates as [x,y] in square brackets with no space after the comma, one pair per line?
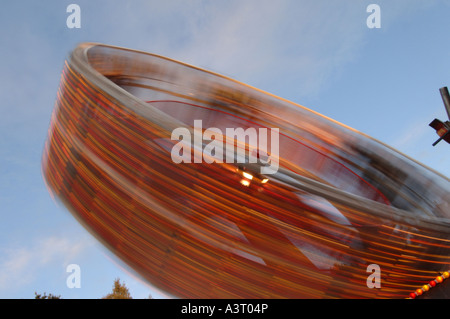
[269,44]
[23,265]
[279,44]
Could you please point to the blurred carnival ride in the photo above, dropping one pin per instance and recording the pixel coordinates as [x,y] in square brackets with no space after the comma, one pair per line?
[338,202]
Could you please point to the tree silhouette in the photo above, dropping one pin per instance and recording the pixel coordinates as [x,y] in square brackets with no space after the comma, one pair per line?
[119,291]
[44,296]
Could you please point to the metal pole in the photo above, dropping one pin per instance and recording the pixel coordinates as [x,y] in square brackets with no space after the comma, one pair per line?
[441,138]
[446,99]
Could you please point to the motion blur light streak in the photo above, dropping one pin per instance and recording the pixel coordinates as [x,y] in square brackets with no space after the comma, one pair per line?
[339,201]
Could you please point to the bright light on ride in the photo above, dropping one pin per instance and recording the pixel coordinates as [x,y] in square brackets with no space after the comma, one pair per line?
[265,180]
[245,182]
[247,175]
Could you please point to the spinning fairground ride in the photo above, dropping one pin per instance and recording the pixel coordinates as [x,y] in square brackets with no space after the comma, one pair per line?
[210,188]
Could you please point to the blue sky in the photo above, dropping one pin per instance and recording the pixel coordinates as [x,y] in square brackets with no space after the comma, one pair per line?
[319,53]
